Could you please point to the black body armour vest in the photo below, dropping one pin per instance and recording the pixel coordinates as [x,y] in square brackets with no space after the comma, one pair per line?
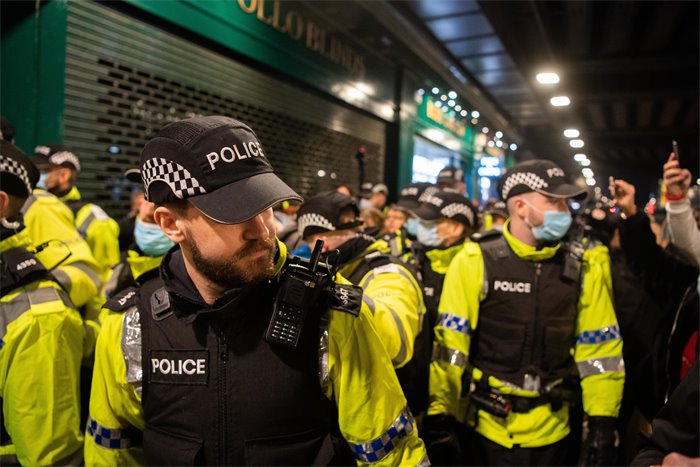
[215,392]
[527,322]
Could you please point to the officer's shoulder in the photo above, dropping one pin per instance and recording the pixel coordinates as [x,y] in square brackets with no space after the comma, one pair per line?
[123,300]
[345,297]
[483,237]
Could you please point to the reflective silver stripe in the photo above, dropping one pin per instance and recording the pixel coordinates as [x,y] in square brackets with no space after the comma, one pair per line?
[43,295]
[62,278]
[401,356]
[82,228]
[324,325]
[371,275]
[378,448]
[11,310]
[131,347]
[485,286]
[596,366]
[424,461]
[369,302]
[28,204]
[88,272]
[451,356]
[111,438]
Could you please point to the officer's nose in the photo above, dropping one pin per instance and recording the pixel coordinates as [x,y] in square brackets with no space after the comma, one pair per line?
[256,228]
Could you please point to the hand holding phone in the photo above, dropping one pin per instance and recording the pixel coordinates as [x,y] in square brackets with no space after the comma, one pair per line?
[674,144]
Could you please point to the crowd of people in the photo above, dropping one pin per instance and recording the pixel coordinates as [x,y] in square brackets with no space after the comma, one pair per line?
[227,321]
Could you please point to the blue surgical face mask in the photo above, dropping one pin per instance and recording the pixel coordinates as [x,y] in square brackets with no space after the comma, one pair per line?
[150,239]
[412,226]
[42,180]
[554,227]
[365,204]
[427,234]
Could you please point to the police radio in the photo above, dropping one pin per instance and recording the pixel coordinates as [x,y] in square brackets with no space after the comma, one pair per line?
[299,288]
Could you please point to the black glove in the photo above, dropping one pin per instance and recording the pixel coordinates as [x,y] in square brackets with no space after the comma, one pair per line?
[441,440]
[600,446]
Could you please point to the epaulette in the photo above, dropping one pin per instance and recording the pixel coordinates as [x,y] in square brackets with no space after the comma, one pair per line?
[486,236]
[347,298]
[123,300]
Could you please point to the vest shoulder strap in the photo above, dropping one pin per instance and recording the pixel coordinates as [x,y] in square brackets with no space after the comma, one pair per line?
[122,301]
[496,247]
[347,298]
[19,267]
[75,205]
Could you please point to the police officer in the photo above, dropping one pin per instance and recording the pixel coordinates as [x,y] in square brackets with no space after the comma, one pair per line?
[41,338]
[390,289]
[518,314]
[60,168]
[451,178]
[238,354]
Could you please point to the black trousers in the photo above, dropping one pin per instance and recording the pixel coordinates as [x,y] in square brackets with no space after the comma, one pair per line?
[482,451]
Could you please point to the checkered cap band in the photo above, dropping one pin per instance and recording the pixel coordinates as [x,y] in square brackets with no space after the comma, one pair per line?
[313,219]
[430,191]
[111,438]
[596,336]
[531,180]
[454,323]
[379,448]
[454,209]
[65,156]
[13,167]
[178,178]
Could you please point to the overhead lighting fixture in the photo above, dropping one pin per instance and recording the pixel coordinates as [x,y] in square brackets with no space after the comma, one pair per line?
[499,134]
[452,94]
[513,147]
[588,173]
[485,129]
[443,97]
[474,121]
[547,78]
[458,108]
[585,163]
[560,101]
[590,181]
[580,157]
[438,104]
[463,113]
[491,143]
[571,133]
[475,114]
[499,143]
[421,92]
[576,143]
[436,91]
[451,103]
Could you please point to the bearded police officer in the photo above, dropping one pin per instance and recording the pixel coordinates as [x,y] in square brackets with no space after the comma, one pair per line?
[41,338]
[518,314]
[238,354]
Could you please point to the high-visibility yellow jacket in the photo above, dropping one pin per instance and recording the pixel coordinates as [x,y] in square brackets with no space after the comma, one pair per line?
[395,299]
[600,364]
[41,347]
[358,376]
[47,219]
[100,231]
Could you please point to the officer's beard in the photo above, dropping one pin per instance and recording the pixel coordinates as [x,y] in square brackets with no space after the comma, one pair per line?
[236,271]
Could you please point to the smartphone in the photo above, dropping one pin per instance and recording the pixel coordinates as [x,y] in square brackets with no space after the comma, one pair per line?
[674,143]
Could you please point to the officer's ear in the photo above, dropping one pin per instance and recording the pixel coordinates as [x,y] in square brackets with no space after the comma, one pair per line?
[517,207]
[169,219]
[4,204]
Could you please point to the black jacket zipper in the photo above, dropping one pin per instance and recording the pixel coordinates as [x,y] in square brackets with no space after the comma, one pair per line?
[223,423]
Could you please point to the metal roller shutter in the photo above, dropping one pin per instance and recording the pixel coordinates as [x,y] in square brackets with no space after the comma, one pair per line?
[125,79]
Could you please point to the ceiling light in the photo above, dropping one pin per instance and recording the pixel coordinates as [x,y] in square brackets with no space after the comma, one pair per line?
[491,143]
[588,173]
[451,103]
[590,181]
[474,121]
[438,104]
[585,162]
[421,92]
[576,143]
[499,143]
[436,90]
[458,108]
[463,113]
[452,94]
[513,147]
[571,133]
[443,97]
[547,78]
[499,134]
[560,101]
[475,114]
[580,157]
[485,129]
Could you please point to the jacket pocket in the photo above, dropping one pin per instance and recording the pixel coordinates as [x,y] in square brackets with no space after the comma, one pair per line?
[558,341]
[306,448]
[165,448]
[503,350]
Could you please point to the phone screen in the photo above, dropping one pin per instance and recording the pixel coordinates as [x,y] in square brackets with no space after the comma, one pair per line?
[674,143]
